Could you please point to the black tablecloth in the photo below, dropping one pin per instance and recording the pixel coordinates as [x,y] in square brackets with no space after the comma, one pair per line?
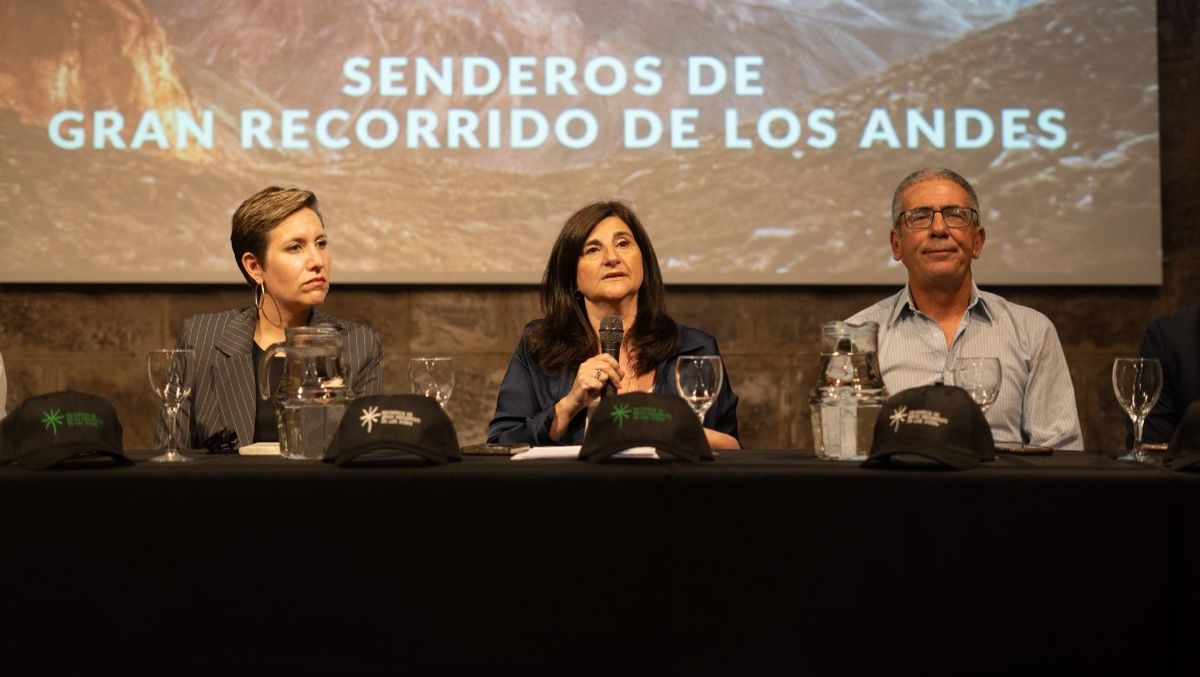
[758,562]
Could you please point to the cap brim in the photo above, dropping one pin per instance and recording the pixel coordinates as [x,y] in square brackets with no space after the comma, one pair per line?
[884,457]
[391,446]
[43,459]
[606,452]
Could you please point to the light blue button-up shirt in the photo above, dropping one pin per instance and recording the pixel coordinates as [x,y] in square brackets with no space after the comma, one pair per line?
[1036,404]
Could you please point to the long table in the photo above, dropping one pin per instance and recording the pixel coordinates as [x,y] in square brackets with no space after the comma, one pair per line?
[759,562]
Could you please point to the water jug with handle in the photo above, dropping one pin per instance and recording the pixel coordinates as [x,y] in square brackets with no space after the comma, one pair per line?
[849,393]
[312,393]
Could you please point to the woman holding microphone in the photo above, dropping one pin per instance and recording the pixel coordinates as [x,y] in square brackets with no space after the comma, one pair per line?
[601,264]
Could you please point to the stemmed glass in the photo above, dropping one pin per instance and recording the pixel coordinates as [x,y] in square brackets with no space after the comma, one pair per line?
[432,377]
[698,380]
[980,377]
[1137,381]
[171,379]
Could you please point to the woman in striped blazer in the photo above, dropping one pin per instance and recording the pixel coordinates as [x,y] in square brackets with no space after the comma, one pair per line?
[279,243]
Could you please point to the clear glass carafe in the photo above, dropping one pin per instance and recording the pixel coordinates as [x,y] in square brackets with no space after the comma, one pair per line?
[312,394]
[849,393]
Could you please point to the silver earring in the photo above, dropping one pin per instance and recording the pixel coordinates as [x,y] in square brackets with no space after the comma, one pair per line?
[260,292]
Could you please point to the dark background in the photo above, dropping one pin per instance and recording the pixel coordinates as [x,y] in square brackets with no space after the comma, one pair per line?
[94,337]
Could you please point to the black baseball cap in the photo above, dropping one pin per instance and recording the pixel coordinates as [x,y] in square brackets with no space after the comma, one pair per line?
[55,428]
[936,423]
[1183,452]
[645,420]
[382,424]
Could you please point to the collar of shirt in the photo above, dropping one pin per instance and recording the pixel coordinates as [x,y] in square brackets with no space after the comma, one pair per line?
[905,307]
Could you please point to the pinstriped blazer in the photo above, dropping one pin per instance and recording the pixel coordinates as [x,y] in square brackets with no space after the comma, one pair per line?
[224,393]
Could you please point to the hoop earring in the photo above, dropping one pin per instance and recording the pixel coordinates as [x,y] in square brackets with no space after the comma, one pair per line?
[260,293]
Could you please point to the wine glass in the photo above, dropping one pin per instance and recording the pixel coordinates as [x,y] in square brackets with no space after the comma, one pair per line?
[171,379]
[432,377]
[698,380]
[1137,381]
[980,377]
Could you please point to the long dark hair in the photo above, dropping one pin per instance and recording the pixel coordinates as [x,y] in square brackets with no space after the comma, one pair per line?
[564,337]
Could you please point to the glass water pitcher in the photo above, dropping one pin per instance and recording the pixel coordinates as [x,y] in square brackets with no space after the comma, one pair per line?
[312,394]
[849,393]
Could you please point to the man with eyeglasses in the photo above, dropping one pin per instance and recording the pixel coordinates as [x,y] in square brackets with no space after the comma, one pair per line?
[941,315]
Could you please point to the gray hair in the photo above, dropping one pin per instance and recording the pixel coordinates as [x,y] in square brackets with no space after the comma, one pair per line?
[930,174]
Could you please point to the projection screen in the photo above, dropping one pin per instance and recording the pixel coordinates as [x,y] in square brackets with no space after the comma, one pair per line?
[448,140]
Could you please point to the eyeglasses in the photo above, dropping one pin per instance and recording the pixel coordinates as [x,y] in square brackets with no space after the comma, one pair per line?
[954,217]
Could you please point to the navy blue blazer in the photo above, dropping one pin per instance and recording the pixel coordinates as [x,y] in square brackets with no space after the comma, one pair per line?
[525,403]
[1175,341]
[224,394]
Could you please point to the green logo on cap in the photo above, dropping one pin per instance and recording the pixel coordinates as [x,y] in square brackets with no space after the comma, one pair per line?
[623,412]
[620,413]
[52,419]
[653,414]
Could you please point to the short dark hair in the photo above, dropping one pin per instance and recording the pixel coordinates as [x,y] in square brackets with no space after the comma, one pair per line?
[564,337]
[260,214]
[931,174]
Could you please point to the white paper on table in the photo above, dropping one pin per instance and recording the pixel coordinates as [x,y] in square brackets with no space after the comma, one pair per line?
[572,452]
[260,449]
[542,453]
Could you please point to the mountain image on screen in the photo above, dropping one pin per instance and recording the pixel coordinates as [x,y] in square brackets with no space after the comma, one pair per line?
[1084,209]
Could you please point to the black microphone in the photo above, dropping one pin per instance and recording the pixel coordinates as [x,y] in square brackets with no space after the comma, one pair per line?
[612,332]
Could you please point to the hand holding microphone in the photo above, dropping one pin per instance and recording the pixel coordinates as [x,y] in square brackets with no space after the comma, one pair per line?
[598,376]
[591,379]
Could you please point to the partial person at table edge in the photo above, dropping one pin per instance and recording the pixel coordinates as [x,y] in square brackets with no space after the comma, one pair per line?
[941,315]
[1175,341]
[3,390]
[601,263]
[281,248]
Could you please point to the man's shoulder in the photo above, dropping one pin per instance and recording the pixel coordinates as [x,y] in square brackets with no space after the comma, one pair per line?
[1181,322]
[878,312]
[1023,315]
